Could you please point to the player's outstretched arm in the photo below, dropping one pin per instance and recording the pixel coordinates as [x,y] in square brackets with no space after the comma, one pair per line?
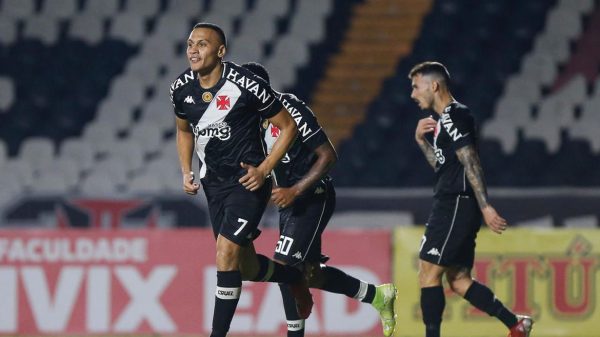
[185,149]
[424,126]
[467,155]
[326,158]
[255,177]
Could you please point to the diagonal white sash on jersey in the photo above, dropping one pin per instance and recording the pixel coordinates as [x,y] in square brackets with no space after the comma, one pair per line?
[212,116]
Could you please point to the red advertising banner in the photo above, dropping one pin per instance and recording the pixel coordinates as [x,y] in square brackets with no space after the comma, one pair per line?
[75,282]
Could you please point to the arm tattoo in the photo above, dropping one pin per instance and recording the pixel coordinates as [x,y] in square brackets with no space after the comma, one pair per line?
[429,153]
[470,160]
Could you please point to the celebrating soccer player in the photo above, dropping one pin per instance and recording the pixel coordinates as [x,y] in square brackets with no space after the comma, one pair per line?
[218,106]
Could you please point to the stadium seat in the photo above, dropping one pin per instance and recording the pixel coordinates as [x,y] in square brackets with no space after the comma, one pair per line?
[539,67]
[149,135]
[37,151]
[502,130]
[552,113]
[68,168]
[186,9]
[129,153]
[12,183]
[114,115]
[307,24]
[146,183]
[564,22]
[101,8]
[101,135]
[50,183]
[18,9]
[580,6]
[58,9]
[99,184]
[555,46]
[245,49]
[285,59]
[128,27]
[8,27]
[166,167]
[146,8]
[127,92]
[79,151]
[170,26]
[115,168]
[159,111]
[522,88]
[22,170]
[145,69]
[233,9]
[258,26]
[41,28]
[88,29]
[272,8]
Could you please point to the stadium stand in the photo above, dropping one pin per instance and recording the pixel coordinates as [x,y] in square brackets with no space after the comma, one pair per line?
[103,108]
[84,105]
[381,32]
[528,76]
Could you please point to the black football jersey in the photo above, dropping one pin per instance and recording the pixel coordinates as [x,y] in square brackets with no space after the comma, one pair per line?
[455,129]
[225,119]
[300,157]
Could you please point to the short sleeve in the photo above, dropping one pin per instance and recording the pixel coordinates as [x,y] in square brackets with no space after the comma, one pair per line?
[316,139]
[264,98]
[460,127]
[176,106]
[309,130]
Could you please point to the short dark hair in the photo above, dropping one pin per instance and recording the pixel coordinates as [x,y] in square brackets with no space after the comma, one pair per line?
[214,27]
[431,68]
[258,69]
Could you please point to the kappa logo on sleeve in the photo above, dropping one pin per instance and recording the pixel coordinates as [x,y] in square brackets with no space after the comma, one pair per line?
[189,100]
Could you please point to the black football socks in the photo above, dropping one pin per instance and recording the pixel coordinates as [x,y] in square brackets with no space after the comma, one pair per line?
[336,281]
[432,306]
[482,298]
[295,325]
[227,295]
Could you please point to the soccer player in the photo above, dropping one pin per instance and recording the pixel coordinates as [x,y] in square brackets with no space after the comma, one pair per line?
[460,201]
[305,195]
[218,106]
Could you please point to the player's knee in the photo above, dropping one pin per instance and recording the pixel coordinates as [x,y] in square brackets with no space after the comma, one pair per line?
[429,277]
[459,283]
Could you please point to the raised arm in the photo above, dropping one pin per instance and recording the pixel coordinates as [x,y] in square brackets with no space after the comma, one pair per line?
[469,158]
[425,126]
[185,149]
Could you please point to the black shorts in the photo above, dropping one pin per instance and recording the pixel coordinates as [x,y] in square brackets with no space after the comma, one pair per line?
[235,212]
[301,226]
[449,238]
